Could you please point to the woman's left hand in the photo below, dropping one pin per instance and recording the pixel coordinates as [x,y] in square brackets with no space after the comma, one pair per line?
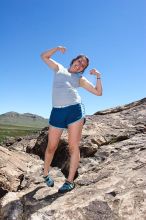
[95,72]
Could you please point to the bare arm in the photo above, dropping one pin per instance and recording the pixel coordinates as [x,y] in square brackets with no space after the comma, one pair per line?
[46,56]
[97,90]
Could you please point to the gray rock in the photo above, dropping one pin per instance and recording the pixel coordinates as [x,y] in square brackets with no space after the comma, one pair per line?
[111,180]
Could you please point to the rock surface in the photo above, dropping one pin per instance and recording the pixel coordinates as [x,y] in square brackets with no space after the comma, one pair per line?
[111,179]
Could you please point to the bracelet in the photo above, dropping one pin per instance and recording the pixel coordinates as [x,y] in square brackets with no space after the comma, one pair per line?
[98,78]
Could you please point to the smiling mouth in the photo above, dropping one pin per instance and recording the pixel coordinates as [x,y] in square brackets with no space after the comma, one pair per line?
[76,66]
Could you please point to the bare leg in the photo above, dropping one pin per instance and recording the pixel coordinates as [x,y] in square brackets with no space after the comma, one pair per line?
[53,140]
[74,135]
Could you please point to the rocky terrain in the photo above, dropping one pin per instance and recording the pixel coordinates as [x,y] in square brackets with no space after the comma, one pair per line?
[110,182]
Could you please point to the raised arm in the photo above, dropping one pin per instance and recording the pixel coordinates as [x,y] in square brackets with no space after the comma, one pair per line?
[46,56]
[96,90]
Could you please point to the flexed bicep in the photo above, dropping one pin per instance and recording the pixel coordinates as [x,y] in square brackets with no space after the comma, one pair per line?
[52,64]
[46,56]
[84,83]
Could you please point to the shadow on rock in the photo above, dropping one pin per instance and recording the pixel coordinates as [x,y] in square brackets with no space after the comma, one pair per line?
[25,206]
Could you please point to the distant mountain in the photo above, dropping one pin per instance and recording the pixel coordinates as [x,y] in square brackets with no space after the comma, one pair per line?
[26,119]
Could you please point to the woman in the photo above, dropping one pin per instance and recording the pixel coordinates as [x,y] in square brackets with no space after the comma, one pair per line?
[67,111]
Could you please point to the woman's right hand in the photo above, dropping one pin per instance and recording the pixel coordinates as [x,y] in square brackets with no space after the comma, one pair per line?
[61,49]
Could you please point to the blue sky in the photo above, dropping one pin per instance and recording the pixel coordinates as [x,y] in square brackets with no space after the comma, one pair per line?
[112,33]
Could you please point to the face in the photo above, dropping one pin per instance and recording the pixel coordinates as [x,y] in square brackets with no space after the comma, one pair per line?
[79,65]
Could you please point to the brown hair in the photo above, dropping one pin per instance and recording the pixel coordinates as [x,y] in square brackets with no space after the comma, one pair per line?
[79,56]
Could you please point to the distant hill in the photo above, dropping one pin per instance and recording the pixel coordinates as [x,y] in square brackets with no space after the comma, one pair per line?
[26,120]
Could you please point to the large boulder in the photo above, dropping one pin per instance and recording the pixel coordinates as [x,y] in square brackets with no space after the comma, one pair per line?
[111,184]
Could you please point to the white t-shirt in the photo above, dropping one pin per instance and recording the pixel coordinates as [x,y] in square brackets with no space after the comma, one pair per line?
[65,86]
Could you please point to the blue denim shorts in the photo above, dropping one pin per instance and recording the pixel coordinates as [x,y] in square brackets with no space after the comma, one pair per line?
[62,117]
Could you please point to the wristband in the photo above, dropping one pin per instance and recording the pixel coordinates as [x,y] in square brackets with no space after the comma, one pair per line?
[98,78]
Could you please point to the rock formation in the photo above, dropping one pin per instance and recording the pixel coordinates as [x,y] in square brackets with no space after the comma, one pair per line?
[110,182]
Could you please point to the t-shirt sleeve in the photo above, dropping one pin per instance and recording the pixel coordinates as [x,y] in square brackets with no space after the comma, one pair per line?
[61,68]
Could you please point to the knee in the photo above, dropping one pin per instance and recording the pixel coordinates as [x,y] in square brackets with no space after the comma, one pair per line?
[51,148]
[73,149]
